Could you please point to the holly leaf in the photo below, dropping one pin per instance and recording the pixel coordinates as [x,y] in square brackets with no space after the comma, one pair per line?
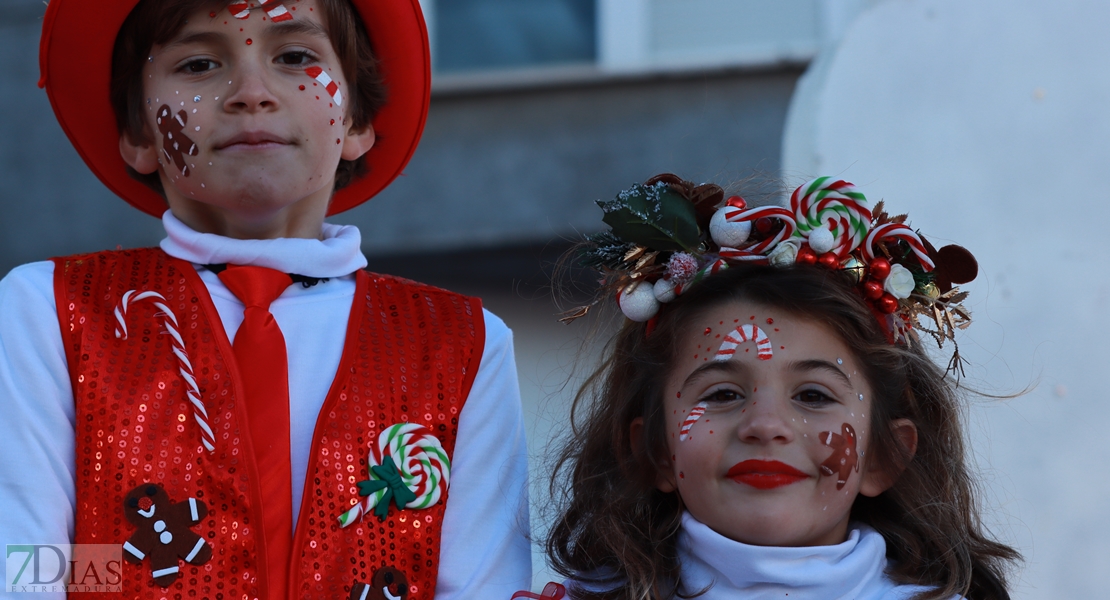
[655,216]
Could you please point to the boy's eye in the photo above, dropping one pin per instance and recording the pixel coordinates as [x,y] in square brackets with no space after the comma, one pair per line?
[813,398]
[199,65]
[295,58]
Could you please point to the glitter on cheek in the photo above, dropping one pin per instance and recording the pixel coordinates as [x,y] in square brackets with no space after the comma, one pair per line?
[196,98]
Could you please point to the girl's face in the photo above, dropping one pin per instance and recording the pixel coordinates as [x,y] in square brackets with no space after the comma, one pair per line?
[768,427]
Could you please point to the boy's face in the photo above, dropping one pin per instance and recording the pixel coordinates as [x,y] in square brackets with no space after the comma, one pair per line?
[242,125]
[767,426]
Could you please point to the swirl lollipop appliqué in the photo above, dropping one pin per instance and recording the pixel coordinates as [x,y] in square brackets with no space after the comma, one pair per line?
[408,467]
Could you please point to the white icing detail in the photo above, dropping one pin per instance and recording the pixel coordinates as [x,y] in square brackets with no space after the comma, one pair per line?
[147,513]
[166,537]
[193,552]
[389,596]
[166,571]
[159,526]
[193,509]
[365,592]
[134,551]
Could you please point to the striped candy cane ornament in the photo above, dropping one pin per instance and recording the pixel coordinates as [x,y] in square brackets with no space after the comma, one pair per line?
[755,251]
[325,80]
[744,333]
[184,365]
[899,231]
[695,414]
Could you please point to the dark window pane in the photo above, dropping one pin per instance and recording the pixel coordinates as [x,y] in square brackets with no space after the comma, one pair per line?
[493,34]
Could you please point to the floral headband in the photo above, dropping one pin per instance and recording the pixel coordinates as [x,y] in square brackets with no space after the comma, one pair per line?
[668,234]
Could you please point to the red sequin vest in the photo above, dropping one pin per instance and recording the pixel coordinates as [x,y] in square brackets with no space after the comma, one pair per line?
[410,355]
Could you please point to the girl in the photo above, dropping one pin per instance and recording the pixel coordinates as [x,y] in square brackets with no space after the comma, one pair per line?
[767,423]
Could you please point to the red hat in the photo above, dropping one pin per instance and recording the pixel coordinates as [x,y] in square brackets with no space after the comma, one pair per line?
[75,60]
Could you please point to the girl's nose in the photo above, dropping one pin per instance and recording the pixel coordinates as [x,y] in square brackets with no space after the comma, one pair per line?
[765,421]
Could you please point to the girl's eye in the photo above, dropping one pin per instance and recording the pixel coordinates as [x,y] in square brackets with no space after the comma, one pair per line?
[295,58]
[813,398]
[199,65]
[722,396]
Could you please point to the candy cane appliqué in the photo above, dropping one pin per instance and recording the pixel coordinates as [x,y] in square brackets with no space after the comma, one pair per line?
[276,11]
[695,414]
[325,80]
[744,333]
[184,365]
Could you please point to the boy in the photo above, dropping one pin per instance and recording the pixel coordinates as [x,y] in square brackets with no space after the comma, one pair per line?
[229,429]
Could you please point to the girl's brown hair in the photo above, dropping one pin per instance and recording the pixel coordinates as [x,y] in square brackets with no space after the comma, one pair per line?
[158,21]
[616,531]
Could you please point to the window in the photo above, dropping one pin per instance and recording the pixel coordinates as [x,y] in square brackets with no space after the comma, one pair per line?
[475,35]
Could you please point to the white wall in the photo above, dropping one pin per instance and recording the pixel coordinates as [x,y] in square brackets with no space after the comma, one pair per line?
[989,122]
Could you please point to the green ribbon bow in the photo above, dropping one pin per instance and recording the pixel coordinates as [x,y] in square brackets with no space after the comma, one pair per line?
[389,479]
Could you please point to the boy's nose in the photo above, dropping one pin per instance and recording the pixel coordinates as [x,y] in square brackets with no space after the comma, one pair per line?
[250,92]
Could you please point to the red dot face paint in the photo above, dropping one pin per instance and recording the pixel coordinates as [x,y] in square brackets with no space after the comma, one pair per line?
[771,322]
[300,87]
[249,41]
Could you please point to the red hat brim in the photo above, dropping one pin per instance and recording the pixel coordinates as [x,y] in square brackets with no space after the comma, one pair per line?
[75,62]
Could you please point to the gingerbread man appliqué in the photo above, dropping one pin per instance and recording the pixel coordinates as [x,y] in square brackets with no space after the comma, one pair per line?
[844,458]
[163,532]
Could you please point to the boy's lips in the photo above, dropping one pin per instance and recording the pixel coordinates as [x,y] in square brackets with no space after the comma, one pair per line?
[252,140]
[765,474]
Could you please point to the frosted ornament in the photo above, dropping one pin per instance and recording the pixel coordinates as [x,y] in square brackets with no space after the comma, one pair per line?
[725,233]
[821,240]
[664,290]
[638,303]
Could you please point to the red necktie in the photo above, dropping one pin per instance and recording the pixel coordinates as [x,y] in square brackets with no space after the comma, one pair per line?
[264,368]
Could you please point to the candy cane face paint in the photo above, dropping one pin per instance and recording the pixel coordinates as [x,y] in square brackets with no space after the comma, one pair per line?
[237,137]
[760,412]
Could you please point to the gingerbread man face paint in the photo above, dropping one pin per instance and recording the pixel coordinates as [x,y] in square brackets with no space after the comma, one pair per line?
[754,402]
[244,128]
[176,144]
[843,459]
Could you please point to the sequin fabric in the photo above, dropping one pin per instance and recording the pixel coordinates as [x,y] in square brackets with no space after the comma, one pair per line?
[410,356]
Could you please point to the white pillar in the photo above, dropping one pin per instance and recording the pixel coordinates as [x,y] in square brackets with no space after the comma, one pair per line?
[623,34]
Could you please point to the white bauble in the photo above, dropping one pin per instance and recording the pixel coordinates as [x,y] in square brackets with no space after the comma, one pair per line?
[664,290]
[638,303]
[726,234]
[821,240]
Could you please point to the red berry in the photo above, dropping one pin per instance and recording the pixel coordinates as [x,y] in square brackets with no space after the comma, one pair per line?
[737,202]
[805,256]
[873,290]
[879,268]
[888,304]
[763,225]
[829,261]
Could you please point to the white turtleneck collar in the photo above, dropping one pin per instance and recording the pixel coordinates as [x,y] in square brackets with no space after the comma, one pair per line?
[339,253]
[852,569]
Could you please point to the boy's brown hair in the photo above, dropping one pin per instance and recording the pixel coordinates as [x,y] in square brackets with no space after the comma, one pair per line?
[158,21]
[616,531]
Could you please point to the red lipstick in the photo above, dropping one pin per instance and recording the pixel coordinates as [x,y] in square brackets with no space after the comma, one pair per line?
[765,474]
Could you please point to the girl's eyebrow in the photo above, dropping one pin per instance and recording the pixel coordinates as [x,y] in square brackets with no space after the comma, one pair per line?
[732,366]
[820,365]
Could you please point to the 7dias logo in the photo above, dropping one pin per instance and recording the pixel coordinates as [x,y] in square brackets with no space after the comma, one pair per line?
[42,568]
